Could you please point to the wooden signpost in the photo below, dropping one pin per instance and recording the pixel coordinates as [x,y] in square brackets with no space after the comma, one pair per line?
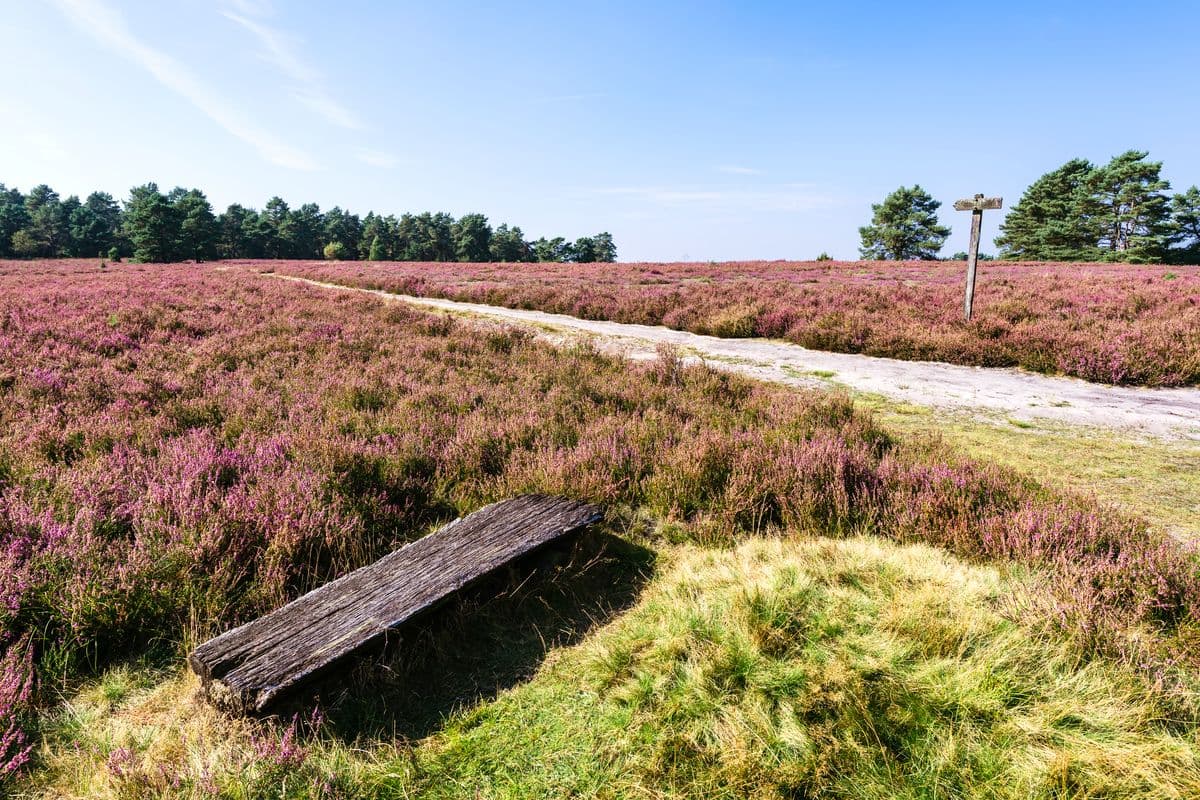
[975,205]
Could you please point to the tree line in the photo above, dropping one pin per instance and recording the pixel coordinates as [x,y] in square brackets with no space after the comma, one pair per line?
[180,225]
[1121,211]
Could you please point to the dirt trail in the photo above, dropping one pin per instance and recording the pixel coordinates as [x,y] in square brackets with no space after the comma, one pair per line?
[1002,393]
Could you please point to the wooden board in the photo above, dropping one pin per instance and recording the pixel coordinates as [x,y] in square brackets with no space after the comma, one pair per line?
[247,669]
[979,203]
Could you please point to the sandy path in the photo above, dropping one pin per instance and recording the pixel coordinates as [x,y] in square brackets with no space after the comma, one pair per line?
[1005,393]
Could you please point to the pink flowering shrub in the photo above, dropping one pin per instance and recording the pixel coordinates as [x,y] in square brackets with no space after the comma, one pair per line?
[16,686]
[1111,323]
[181,442]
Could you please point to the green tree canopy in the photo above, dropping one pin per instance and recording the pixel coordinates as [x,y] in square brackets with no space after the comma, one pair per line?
[1051,221]
[377,251]
[904,226]
[1185,226]
[275,229]
[1082,212]
[199,233]
[47,227]
[605,248]
[508,244]
[180,224]
[95,227]
[231,232]
[1132,212]
[343,228]
[336,251]
[472,238]
[13,217]
[305,226]
[555,249]
[152,224]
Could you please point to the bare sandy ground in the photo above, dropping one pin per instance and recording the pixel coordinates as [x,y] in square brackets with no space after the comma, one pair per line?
[1005,393]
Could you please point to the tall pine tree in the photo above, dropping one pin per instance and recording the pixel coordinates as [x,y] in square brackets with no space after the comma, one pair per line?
[904,226]
[1132,211]
[13,217]
[1185,227]
[152,224]
[1051,221]
[199,234]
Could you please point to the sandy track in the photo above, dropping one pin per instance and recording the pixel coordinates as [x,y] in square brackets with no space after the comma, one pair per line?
[1006,393]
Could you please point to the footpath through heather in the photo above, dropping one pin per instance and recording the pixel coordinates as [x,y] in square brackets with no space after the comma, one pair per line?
[1005,393]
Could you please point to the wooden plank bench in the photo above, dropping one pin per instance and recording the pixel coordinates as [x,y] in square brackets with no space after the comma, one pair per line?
[247,669]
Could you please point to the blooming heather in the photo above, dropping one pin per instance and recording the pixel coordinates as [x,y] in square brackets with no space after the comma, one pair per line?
[187,445]
[1110,323]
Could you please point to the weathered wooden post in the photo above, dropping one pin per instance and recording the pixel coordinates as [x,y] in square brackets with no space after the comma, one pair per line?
[975,205]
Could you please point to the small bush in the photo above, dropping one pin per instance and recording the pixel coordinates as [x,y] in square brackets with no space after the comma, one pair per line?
[336,251]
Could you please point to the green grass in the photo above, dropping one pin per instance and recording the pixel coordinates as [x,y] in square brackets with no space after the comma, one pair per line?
[782,668]
[1155,478]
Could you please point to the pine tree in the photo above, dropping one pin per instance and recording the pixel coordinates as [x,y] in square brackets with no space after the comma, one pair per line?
[555,249]
[305,225]
[152,224]
[231,232]
[275,224]
[1185,227]
[472,238]
[47,229]
[199,233]
[583,251]
[345,229]
[904,226]
[377,252]
[95,225]
[508,244]
[606,250]
[1129,204]
[1050,222]
[13,217]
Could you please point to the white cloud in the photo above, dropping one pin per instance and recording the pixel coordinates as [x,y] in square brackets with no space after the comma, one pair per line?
[377,158]
[108,28]
[736,170]
[280,50]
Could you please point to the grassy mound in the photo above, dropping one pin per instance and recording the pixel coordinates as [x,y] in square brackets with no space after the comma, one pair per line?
[782,668]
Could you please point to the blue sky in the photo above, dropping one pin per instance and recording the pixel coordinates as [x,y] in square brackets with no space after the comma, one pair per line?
[689,130]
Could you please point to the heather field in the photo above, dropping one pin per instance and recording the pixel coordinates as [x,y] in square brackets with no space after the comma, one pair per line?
[787,598]
[1110,323]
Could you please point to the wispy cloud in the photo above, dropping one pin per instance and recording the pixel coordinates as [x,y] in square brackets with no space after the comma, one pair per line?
[280,49]
[108,28]
[783,197]
[251,8]
[377,158]
[732,169]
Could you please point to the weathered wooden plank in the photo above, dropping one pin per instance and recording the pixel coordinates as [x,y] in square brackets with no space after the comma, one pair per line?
[979,203]
[247,669]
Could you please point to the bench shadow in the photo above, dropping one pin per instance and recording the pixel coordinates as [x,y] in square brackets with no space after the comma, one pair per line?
[489,638]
